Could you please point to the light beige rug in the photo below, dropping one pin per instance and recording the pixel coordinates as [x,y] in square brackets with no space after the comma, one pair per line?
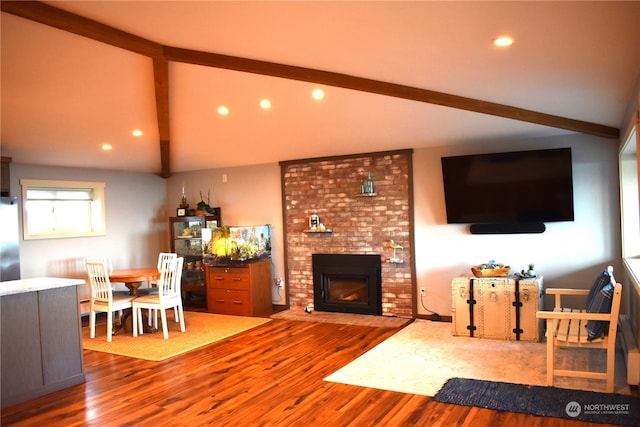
[201,329]
[420,358]
[341,318]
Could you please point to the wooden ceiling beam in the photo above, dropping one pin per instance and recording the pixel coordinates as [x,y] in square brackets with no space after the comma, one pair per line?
[58,18]
[76,24]
[161,83]
[384,88]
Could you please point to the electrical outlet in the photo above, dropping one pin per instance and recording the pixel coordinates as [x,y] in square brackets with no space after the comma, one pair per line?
[421,291]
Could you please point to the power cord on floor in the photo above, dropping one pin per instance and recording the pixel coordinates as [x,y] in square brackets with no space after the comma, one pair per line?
[435,317]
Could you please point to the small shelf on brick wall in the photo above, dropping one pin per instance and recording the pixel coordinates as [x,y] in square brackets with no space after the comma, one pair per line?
[325,231]
[366,195]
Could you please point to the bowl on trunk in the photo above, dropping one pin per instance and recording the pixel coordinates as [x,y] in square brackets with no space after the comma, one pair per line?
[490,272]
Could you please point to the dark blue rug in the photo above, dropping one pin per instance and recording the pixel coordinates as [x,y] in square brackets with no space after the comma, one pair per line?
[555,402]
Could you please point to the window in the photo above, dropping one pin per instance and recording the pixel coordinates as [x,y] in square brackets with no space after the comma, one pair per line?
[629,196]
[56,209]
[630,201]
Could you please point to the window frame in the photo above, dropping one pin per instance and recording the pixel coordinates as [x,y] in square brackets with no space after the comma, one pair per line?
[629,169]
[630,193]
[97,209]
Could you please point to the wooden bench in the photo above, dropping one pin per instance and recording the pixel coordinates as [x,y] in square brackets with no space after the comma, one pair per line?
[566,328]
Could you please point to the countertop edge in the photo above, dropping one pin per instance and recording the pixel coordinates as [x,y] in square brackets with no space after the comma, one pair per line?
[13,287]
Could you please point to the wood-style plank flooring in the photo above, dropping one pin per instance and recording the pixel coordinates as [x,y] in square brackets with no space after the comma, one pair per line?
[269,376]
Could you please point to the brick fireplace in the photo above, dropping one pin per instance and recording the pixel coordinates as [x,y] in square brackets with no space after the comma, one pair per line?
[354,223]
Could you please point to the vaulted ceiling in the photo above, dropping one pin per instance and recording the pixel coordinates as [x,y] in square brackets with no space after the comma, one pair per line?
[80,74]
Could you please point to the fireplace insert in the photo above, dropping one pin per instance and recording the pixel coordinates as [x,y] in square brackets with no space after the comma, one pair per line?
[347,283]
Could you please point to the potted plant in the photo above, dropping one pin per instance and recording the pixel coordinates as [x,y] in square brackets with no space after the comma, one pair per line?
[203,207]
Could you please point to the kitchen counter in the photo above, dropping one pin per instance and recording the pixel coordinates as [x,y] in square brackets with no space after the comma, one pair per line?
[41,337]
[36,284]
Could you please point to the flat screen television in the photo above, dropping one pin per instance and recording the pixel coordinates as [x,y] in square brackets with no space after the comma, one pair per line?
[513,187]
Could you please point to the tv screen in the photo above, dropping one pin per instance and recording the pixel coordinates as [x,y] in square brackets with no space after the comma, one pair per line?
[512,187]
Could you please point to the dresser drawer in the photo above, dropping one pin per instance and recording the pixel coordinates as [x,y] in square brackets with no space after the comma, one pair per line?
[229,302]
[228,278]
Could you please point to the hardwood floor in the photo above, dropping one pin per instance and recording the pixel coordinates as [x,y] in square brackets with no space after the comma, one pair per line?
[269,376]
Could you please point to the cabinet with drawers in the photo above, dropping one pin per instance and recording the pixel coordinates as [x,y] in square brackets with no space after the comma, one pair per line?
[241,290]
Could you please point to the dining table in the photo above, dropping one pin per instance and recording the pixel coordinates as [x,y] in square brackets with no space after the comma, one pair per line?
[132,279]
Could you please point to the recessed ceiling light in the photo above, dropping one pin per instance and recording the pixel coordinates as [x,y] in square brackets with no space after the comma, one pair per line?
[106,147]
[223,111]
[318,94]
[265,103]
[136,132]
[503,41]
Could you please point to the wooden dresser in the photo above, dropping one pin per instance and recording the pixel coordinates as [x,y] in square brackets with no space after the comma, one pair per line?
[241,290]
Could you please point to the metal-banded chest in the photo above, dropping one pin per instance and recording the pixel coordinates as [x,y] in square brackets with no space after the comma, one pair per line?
[497,307]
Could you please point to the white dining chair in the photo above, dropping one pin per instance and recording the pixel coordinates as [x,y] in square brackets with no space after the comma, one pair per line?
[106,260]
[169,296]
[162,257]
[102,297]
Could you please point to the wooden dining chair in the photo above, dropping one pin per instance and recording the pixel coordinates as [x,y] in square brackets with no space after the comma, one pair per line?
[162,257]
[593,326]
[103,298]
[106,260]
[169,296]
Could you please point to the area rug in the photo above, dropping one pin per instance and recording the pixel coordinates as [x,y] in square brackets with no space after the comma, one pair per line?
[201,329]
[542,401]
[342,318]
[421,357]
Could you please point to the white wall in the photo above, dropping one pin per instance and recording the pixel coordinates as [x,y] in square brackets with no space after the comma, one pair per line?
[136,223]
[138,207]
[250,196]
[566,253]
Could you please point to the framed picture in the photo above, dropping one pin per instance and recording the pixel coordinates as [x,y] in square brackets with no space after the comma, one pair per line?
[181,212]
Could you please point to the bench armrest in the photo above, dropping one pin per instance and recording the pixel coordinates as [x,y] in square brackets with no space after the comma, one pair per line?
[563,291]
[559,292]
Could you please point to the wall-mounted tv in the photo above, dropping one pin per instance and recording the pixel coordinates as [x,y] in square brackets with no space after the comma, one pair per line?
[509,188]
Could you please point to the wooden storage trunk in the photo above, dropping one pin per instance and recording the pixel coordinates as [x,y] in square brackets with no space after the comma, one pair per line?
[494,308]
[462,309]
[497,307]
[530,299]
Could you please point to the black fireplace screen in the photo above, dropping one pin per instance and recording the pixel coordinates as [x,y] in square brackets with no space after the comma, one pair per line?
[347,283]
